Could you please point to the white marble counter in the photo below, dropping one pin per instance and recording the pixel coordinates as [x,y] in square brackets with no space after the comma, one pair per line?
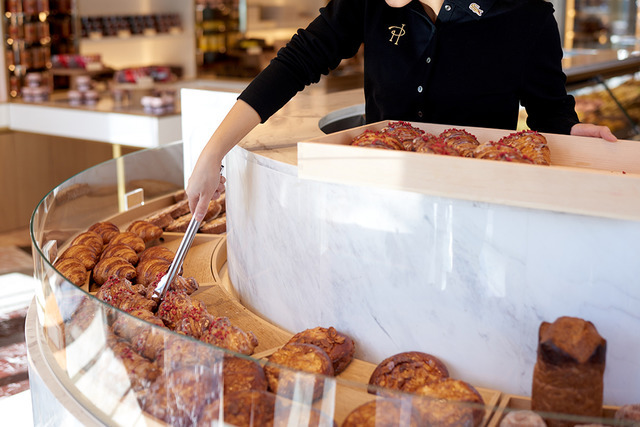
[469,282]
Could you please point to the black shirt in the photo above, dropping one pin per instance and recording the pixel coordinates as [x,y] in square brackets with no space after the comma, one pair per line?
[473,67]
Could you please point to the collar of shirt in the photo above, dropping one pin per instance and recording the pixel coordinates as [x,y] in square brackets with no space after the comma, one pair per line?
[475,8]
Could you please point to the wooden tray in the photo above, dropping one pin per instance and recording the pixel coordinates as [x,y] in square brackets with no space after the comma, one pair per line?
[588,176]
[511,402]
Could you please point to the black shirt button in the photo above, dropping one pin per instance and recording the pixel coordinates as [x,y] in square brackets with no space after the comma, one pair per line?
[447,7]
[419,89]
[428,60]
[420,114]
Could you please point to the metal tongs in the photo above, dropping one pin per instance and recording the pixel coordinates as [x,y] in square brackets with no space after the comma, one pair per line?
[161,288]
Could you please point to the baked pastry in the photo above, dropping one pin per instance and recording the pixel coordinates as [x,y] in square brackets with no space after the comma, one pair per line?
[629,413]
[406,372]
[86,254]
[146,230]
[141,371]
[113,266]
[222,201]
[457,391]
[180,224]
[568,374]
[215,226]
[242,374]
[522,418]
[73,270]
[213,210]
[404,132]
[531,144]
[130,329]
[460,140]
[106,229]
[156,252]
[337,345]
[241,408]
[160,219]
[221,333]
[120,294]
[383,412]
[377,139]
[496,150]
[151,270]
[89,238]
[431,144]
[443,412]
[297,357]
[130,239]
[120,250]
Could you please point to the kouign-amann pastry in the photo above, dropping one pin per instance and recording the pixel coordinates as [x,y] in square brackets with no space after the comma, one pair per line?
[297,357]
[569,370]
[522,418]
[73,270]
[120,250]
[407,372]
[383,412]
[338,346]
[458,391]
[146,230]
[130,239]
[106,229]
[113,266]
[86,254]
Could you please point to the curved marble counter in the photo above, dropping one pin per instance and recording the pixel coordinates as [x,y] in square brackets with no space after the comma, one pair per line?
[467,281]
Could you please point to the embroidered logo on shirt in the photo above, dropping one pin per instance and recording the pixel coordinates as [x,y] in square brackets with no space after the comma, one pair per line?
[396,33]
[475,8]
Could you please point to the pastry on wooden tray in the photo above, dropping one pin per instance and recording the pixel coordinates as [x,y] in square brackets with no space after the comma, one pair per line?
[141,371]
[130,239]
[241,408]
[495,150]
[213,210]
[180,224]
[298,357]
[377,139]
[106,229]
[569,370]
[460,140]
[431,144]
[407,372]
[146,230]
[337,345]
[522,418]
[83,253]
[214,226]
[531,144]
[384,412]
[456,391]
[242,374]
[161,252]
[150,270]
[90,238]
[120,250]
[404,132]
[73,269]
[113,266]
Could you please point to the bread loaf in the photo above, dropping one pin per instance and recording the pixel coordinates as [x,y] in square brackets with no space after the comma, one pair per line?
[568,374]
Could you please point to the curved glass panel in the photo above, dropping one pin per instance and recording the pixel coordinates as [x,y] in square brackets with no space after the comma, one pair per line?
[191,360]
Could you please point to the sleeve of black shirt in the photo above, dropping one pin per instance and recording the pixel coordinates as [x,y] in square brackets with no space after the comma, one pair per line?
[334,35]
[549,107]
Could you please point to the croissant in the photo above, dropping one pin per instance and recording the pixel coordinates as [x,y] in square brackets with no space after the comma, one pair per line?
[461,141]
[106,229]
[89,238]
[130,239]
[141,371]
[403,132]
[120,250]
[113,266]
[156,252]
[73,270]
[222,334]
[130,329]
[86,254]
[146,230]
[151,270]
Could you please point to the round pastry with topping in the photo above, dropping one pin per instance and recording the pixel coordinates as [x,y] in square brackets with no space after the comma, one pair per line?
[338,346]
[455,391]
[407,372]
[383,412]
[522,418]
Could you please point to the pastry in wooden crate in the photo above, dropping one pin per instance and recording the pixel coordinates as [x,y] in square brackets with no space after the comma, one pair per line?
[460,140]
[569,370]
[456,391]
[86,254]
[90,238]
[531,144]
[300,358]
[73,269]
[407,372]
[384,412]
[146,230]
[339,347]
[113,266]
[106,229]
[130,239]
[120,250]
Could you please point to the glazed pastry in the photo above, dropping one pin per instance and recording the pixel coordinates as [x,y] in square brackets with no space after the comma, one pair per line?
[214,226]
[120,250]
[568,374]
[156,252]
[73,270]
[113,266]
[106,229]
[177,306]
[433,145]
[522,418]
[188,285]
[456,390]
[146,230]
[531,144]
[86,254]
[382,412]
[130,239]
[241,408]
[338,346]
[119,293]
[89,238]
[403,132]
[629,413]
[460,140]
[151,270]
[377,139]
[297,357]
[492,150]
[407,372]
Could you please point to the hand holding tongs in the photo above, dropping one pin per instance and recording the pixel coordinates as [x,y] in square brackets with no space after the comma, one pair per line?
[162,286]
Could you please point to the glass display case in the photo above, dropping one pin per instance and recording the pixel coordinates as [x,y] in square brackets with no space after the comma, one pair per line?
[123,360]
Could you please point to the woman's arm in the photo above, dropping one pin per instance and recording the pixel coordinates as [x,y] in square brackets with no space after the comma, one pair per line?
[205,182]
